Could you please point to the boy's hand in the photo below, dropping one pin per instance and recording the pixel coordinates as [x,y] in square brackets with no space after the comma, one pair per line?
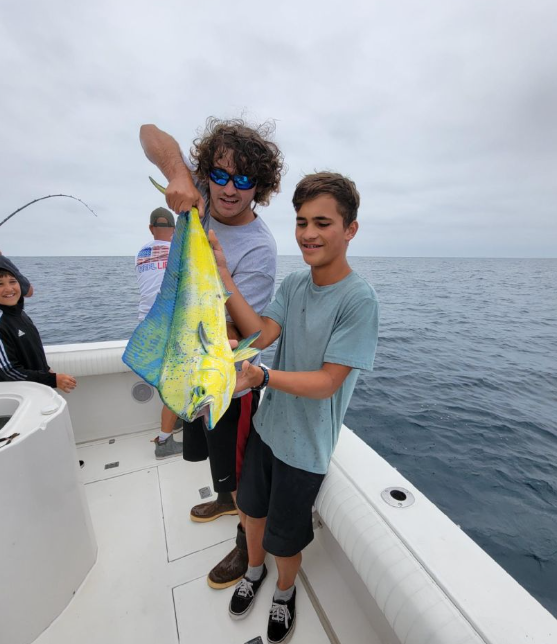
[218,252]
[65,383]
[250,376]
[182,195]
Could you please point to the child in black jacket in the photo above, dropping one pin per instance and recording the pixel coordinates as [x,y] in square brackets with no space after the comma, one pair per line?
[22,356]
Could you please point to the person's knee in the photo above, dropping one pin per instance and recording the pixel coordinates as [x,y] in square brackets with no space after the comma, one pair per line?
[256,523]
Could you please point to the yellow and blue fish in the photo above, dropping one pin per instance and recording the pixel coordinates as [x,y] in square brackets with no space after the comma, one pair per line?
[181,347]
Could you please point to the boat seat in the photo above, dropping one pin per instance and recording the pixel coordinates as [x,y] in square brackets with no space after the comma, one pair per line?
[91,359]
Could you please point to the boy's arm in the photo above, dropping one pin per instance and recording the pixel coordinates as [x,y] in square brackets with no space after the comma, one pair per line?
[232,332]
[11,368]
[163,150]
[307,384]
[247,321]
[351,346]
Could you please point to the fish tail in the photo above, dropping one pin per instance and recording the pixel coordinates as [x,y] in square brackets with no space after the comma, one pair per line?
[157,185]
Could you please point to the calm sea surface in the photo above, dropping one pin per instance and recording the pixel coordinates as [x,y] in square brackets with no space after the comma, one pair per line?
[463,398]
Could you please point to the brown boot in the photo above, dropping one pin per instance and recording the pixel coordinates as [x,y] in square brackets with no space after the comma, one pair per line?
[233,567]
[213,510]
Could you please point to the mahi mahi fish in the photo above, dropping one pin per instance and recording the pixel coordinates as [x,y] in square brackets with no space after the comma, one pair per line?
[181,347]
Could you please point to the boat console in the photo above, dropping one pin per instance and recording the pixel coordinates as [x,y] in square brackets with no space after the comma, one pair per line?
[47,541]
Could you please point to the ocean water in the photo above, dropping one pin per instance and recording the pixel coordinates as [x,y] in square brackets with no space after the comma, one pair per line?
[462,400]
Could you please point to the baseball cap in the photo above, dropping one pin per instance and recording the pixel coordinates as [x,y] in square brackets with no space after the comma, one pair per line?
[162,213]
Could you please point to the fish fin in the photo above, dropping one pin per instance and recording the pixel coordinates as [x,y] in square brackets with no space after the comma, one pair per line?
[146,349]
[225,294]
[157,185]
[244,351]
[203,337]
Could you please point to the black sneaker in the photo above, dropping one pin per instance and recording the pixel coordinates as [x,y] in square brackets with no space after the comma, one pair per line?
[244,596]
[281,620]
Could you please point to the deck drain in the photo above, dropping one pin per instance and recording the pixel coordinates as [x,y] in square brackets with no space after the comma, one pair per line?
[255,640]
[398,497]
[112,441]
[109,466]
[205,492]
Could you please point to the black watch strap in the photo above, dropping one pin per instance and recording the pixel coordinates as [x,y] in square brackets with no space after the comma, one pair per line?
[265,379]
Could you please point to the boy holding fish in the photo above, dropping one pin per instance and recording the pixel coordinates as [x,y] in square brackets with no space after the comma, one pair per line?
[233,169]
[326,322]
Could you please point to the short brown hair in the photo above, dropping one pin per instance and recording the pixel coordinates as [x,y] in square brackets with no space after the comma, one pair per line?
[5,273]
[342,189]
[255,155]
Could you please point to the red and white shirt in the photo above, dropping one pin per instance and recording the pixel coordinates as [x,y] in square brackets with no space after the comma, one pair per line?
[150,265]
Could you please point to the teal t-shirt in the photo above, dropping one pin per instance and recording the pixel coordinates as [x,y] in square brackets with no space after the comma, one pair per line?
[338,324]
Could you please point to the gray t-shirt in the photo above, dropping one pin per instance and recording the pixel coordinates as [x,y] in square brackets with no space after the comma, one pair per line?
[337,324]
[251,256]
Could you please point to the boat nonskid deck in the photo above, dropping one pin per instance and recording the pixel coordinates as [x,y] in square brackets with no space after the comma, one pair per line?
[149,581]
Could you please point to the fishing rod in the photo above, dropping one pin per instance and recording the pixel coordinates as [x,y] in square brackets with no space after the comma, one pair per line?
[40,199]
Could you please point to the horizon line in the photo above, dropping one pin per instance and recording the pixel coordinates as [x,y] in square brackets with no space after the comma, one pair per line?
[348,256]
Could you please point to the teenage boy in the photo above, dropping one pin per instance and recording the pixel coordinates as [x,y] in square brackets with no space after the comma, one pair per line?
[326,320]
[150,265]
[22,355]
[233,168]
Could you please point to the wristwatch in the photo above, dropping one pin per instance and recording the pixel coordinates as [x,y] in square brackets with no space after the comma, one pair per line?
[265,379]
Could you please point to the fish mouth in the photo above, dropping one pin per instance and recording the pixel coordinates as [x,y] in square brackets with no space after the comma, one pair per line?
[202,408]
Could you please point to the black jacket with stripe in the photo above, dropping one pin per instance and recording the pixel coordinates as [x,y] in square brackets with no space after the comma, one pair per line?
[22,356]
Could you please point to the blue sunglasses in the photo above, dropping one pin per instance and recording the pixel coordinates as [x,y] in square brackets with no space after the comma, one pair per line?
[240,181]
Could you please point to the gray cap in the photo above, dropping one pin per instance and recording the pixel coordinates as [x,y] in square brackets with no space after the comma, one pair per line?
[159,214]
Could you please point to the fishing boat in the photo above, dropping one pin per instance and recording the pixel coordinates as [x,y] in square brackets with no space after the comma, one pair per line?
[106,552]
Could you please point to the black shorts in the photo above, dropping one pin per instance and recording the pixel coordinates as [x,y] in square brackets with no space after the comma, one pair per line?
[225,444]
[282,493]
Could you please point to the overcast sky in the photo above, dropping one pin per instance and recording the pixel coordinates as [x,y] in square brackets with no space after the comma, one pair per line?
[443,113]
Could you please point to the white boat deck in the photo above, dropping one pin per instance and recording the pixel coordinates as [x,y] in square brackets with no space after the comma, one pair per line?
[149,582]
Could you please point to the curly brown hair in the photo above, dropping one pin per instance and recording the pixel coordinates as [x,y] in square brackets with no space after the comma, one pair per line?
[342,189]
[255,155]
